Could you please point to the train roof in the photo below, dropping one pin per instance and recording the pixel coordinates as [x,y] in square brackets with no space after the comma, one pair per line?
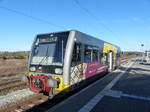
[147,51]
[81,33]
[96,38]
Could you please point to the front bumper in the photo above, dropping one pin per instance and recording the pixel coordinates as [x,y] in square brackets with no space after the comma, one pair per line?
[39,83]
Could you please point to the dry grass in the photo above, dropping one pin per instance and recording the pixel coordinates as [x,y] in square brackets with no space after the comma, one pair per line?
[13,66]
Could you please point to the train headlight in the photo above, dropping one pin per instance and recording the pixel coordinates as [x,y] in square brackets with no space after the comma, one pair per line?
[32,69]
[58,71]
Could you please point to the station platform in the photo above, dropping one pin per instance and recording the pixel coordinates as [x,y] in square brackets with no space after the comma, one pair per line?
[125,90]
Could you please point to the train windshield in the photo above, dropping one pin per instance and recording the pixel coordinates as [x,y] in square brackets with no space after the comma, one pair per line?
[49,49]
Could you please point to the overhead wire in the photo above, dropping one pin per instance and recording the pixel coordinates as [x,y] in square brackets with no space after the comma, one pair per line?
[32,5]
[94,17]
[32,17]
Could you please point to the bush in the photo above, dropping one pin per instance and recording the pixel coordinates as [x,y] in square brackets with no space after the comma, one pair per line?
[12,57]
[4,57]
[19,57]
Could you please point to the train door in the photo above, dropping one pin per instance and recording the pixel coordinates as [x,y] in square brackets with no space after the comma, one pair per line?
[111,61]
[76,72]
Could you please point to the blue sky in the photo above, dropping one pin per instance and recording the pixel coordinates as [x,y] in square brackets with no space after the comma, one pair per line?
[125,23]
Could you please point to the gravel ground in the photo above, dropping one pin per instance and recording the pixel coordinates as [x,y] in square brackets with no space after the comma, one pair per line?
[14,97]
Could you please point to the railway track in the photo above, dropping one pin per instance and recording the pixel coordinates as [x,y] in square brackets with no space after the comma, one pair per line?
[11,86]
[9,82]
[8,75]
[124,61]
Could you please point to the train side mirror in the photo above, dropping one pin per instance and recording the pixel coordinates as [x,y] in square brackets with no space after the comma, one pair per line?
[36,49]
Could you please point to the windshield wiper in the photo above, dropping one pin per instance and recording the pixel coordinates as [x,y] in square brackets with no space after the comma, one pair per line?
[45,57]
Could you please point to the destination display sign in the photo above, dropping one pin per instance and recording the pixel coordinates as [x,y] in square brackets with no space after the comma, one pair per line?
[47,39]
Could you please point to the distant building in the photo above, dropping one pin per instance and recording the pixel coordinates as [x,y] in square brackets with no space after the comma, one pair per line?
[146,56]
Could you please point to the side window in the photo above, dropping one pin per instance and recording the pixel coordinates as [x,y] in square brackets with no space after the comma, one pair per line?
[76,53]
[100,56]
[95,55]
[87,54]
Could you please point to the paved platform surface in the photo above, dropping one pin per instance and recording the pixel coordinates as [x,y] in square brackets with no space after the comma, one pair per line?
[125,90]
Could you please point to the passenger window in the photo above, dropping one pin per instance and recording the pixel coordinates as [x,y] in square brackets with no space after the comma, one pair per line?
[87,54]
[95,55]
[77,53]
[100,56]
